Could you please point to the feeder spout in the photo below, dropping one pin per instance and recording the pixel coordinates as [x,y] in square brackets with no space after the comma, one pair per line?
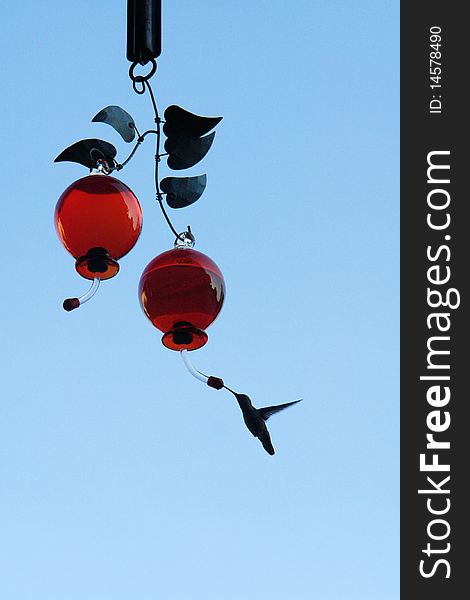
[73,303]
[214,382]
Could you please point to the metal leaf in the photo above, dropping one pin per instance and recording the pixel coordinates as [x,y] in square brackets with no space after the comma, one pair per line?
[181,122]
[186,152]
[119,119]
[88,152]
[183,191]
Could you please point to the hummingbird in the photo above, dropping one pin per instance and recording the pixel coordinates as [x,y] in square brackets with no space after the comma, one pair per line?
[255,418]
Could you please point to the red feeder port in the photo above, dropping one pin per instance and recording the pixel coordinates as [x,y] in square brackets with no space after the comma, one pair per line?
[98,219]
[182,291]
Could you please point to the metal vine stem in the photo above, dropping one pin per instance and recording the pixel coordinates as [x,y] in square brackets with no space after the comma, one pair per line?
[140,139]
[144,81]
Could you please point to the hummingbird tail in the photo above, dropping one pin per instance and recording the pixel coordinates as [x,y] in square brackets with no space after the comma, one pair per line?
[267,444]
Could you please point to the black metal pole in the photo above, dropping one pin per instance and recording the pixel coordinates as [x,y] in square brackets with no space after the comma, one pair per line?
[144,30]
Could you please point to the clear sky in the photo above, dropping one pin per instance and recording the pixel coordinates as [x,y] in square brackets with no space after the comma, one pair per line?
[121,476]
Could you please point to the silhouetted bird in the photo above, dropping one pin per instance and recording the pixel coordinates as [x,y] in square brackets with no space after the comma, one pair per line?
[255,418]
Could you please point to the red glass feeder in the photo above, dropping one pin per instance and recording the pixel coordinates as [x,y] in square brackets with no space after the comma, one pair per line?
[98,219]
[182,291]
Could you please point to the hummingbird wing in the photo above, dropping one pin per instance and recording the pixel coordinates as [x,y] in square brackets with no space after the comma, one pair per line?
[268,411]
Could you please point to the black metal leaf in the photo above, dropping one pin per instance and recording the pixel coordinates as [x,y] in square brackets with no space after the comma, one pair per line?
[186,152]
[119,119]
[185,146]
[183,191]
[88,152]
[181,122]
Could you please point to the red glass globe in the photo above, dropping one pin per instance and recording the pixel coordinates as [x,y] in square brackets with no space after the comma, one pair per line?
[182,291]
[98,219]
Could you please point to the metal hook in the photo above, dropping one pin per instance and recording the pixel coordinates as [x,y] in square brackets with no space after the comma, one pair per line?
[142,78]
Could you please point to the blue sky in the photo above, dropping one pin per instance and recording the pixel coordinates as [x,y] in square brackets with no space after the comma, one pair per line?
[121,476]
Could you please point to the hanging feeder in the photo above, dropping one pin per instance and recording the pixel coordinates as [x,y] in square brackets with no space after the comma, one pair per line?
[182,291]
[98,219]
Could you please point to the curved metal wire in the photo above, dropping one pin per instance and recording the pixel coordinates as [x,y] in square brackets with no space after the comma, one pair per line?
[140,139]
[143,80]
[140,78]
